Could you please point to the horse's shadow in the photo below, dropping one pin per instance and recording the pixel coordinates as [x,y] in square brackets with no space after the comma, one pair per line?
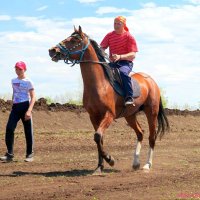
[72,173]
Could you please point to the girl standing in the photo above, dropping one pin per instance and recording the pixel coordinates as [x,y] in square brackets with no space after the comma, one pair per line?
[23,101]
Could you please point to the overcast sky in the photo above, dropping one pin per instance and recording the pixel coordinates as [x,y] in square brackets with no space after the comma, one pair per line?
[167,35]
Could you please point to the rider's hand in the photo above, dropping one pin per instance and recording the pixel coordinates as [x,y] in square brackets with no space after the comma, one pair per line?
[115,57]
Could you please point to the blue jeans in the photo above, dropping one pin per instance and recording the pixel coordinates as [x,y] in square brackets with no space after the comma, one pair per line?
[18,112]
[125,67]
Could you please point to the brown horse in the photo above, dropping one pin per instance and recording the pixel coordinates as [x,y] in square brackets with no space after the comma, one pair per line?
[104,105]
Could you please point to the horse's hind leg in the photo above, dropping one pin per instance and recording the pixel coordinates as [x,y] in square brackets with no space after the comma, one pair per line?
[151,114]
[133,123]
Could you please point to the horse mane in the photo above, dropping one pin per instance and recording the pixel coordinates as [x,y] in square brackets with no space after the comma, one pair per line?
[100,53]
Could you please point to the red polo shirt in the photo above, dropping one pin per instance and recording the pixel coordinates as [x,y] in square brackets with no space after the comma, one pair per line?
[119,43]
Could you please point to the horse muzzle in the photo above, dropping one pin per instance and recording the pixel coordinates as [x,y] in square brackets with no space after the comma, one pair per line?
[55,54]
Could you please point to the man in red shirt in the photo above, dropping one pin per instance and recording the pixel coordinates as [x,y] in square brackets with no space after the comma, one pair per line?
[122,51]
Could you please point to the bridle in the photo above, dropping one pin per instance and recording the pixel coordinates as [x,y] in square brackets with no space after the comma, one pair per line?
[67,52]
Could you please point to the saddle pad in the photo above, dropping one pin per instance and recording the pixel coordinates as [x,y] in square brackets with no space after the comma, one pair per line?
[136,88]
[115,80]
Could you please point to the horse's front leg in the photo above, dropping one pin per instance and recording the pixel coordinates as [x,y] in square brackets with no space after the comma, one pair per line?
[99,141]
[101,125]
[102,154]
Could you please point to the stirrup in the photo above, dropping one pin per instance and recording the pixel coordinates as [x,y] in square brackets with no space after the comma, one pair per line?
[129,101]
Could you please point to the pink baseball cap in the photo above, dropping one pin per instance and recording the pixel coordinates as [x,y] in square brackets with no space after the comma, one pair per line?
[20,65]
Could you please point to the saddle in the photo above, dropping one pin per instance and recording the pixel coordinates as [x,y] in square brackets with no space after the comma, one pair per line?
[114,78]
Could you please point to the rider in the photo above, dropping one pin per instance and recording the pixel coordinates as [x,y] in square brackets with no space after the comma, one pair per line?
[122,50]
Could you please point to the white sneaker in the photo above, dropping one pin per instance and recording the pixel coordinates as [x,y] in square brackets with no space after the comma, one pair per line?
[29,158]
[7,158]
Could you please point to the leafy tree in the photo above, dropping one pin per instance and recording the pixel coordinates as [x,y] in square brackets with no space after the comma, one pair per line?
[164,98]
[49,100]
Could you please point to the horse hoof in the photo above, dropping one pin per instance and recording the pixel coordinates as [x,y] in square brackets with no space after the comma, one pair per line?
[97,171]
[147,167]
[112,161]
[136,167]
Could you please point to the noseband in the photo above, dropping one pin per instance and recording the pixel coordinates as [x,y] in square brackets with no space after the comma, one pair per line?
[68,52]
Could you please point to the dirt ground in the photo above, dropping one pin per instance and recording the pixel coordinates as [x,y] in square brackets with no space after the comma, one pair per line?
[66,155]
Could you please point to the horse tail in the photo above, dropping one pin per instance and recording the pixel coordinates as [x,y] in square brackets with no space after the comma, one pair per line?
[163,123]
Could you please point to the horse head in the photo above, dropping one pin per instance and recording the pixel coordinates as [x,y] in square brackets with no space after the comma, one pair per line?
[72,48]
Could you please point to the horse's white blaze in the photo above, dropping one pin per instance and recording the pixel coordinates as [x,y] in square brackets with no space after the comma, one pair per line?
[148,165]
[136,159]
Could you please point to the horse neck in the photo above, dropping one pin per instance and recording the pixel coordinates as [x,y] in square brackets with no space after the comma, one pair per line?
[92,73]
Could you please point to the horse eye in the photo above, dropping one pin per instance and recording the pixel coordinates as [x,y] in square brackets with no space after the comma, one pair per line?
[76,39]
[73,41]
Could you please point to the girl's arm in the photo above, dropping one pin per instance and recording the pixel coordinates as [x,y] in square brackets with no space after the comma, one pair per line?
[32,102]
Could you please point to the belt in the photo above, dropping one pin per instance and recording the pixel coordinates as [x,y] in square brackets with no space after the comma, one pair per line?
[124,61]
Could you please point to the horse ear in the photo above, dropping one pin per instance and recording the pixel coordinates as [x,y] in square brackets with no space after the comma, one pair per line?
[80,29]
[75,30]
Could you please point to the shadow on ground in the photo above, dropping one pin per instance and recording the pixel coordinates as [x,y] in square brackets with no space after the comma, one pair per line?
[72,173]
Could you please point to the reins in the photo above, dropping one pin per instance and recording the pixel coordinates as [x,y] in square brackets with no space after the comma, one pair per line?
[73,62]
